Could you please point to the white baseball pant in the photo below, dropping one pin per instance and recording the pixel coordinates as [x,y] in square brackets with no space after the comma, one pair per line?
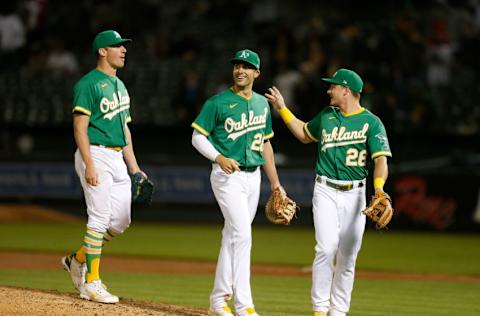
[108,203]
[339,226]
[237,195]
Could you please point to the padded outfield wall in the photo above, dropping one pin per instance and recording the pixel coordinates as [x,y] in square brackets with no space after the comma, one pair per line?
[422,201]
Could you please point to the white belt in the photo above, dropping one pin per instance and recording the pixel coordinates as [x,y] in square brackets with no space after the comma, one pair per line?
[340,184]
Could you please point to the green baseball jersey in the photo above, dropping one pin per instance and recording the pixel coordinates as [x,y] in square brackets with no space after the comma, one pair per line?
[106,101]
[345,142]
[236,126]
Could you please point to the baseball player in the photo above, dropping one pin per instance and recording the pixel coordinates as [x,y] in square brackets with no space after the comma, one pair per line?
[233,131]
[100,115]
[347,135]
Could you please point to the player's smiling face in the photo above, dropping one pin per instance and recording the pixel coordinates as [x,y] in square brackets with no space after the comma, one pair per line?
[116,55]
[244,74]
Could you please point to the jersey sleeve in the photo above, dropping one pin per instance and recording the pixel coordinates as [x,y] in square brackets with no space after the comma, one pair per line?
[83,98]
[268,126]
[377,141]
[205,121]
[313,127]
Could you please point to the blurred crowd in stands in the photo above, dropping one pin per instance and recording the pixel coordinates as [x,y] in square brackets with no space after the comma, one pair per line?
[418,58]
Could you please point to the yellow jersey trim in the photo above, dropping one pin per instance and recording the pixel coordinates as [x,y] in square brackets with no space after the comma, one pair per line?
[354,113]
[305,128]
[200,129]
[241,96]
[269,136]
[381,153]
[81,110]
[129,119]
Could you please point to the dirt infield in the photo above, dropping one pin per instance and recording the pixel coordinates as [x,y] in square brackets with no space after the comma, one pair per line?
[31,213]
[39,302]
[19,301]
[16,301]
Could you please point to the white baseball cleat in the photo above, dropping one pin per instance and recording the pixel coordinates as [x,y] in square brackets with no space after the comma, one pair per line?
[223,311]
[250,311]
[95,291]
[77,270]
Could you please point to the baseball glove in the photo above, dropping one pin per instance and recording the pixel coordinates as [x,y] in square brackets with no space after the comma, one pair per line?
[142,189]
[280,209]
[380,209]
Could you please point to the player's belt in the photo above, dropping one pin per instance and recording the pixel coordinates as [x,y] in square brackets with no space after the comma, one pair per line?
[116,148]
[248,169]
[340,186]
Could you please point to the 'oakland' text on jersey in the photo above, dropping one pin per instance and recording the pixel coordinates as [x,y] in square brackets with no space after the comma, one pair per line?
[236,126]
[105,99]
[346,141]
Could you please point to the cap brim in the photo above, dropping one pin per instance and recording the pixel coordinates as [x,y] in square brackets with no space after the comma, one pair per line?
[331,80]
[124,40]
[233,60]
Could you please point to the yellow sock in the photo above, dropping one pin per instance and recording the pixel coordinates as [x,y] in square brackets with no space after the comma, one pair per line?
[94,270]
[92,244]
[109,235]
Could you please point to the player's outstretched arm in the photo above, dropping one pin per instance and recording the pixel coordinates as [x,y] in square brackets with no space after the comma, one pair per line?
[295,125]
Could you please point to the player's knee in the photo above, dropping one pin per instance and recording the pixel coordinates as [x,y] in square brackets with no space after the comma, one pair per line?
[97,225]
[243,237]
[326,251]
[121,224]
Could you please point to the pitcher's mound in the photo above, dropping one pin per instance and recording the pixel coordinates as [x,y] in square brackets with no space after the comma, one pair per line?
[17,301]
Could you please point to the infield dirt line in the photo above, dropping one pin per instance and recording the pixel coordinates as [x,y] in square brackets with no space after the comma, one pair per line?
[53,303]
[40,260]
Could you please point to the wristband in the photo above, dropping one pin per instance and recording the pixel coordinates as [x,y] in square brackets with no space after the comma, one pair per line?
[378,183]
[286,115]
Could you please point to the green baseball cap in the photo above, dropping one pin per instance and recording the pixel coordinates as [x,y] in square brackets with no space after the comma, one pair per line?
[108,38]
[347,78]
[247,56]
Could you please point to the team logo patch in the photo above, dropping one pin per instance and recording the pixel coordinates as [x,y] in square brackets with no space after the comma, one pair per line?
[383,140]
[245,54]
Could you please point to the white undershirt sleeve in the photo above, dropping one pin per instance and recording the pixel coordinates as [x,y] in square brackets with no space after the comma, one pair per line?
[204,146]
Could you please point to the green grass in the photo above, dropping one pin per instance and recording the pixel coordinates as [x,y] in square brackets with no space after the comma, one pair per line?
[387,251]
[276,296]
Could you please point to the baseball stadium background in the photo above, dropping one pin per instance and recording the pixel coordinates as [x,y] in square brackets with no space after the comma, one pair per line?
[419,61]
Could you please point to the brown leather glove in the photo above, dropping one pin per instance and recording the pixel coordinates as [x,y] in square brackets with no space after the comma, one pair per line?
[380,209]
[280,209]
